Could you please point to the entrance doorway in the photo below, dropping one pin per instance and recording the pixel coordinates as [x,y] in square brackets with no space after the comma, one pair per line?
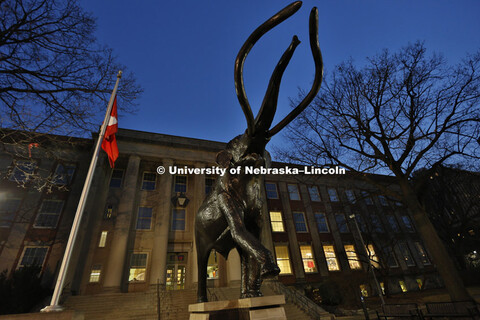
[176,266]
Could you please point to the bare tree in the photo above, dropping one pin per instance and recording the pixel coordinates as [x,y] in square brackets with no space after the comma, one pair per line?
[54,76]
[400,112]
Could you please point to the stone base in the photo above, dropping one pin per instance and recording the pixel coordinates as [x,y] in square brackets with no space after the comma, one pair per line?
[259,308]
[59,315]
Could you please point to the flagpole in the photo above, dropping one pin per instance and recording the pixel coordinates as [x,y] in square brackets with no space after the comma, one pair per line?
[54,306]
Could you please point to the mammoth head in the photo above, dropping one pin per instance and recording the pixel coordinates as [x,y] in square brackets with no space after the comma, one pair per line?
[258,132]
[239,153]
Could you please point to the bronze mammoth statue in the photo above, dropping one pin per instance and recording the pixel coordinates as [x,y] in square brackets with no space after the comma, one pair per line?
[231,216]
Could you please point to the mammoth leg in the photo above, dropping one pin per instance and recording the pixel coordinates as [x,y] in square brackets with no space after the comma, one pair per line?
[253,278]
[202,261]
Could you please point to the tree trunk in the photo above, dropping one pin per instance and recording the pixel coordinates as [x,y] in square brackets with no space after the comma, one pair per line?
[435,246]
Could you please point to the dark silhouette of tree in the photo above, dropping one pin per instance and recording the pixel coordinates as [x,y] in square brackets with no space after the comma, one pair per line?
[400,112]
[54,76]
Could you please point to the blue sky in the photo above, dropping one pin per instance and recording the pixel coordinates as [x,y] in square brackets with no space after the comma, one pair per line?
[183,52]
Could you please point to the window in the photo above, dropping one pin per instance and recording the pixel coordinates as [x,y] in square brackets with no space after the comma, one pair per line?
[406,254]
[148,182]
[276,221]
[33,256]
[144,218]
[283,260]
[108,212]
[350,196]
[8,209]
[402,285]
[422,253]
[366,197]
[300,223]
[64,174]
[393,223]
[178,219]
[363,290]
[361,223]
[138,267]
[419,283]
[103,239]
[314,194]
[212,265]
[372,256]
[293,192]
[377,225]
[95,273]
[22,170]
[332,194]
[383,200]
[321,220]
[209,183]
[117,178]
[390,257]
[332,262]
[352,257]
[408,223]
[341,223]
[307,258]
[271,189]
[181,184]
[48,214]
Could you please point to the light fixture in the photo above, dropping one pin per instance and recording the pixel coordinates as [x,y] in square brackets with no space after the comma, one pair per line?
[180,199]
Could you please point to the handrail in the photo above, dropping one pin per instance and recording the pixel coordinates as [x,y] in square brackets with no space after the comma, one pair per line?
[299,299]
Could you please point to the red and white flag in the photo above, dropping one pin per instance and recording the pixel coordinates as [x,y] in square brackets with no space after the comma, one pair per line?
[109,143]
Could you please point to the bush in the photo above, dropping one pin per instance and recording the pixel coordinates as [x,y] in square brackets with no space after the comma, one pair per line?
[22,291]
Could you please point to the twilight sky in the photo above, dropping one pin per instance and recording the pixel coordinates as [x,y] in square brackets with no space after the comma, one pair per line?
[183,52]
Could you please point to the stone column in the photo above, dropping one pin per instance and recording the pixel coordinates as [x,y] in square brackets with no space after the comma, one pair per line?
[198,197]
[296,258]
[162,226]
[126,212]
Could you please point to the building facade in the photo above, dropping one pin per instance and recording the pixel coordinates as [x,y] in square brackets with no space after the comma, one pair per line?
[138,227]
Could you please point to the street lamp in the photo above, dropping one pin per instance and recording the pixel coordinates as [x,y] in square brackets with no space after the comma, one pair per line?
[379,289]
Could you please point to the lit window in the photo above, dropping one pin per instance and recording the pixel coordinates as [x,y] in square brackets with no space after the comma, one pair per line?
[332,194]
[138,267]
[178,219]
[372,256]
[332,262]
[382,286]
[209,184]
[352,257]
[95,273]
[419,283]
[422,253]
[314,194]
[271,189]
[377,225]
[212,265]
[321,220]
[64,174]
[48,214]
[402,286]
[117,178]
[393,223]
[341,223]
[307,258]
[148,182]
[8,209]
[293,192]
[23,170]
[276,221]
[108,212]
[144,218]
[367,198]
[283,260]
[181,184]
[383,200]
[33,256]
[103,239]
[406,254]
[390,257]
[350,196]
[408,223]
[363,290]
[300,223]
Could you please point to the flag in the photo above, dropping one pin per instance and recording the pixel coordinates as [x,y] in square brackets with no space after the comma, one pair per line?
[109,143]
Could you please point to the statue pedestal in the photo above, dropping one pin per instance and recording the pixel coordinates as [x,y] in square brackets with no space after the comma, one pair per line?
[259,308]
